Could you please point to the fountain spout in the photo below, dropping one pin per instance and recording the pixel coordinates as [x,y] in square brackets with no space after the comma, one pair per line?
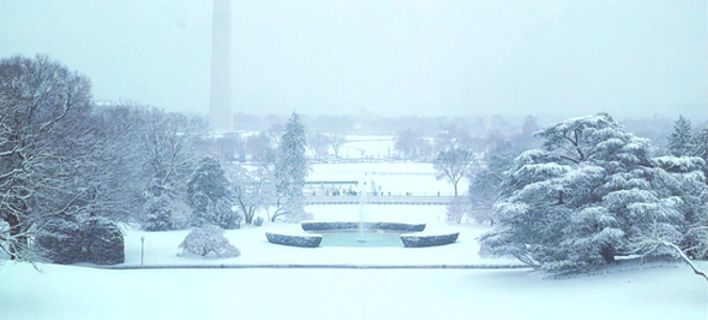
[362,203]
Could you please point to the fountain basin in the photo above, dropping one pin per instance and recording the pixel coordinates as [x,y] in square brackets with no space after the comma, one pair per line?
[365,239]
[295,240]
[386,226]
[428,240]
[362,234]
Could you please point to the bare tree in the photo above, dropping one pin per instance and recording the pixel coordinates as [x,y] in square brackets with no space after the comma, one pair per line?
[336,141]
[260,148]
[452,164]
[228,147]
[453,136]
[169,157]
[253,190]
[44,109]
[411,145]
[319,143]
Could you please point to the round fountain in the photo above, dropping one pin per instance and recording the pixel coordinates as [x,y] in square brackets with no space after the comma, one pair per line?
[362,233]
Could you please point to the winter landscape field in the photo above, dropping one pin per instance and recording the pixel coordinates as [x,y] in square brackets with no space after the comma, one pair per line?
[354,159]
[65,292]
[638,290]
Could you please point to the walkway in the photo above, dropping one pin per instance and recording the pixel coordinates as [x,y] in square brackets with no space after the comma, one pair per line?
[380,200]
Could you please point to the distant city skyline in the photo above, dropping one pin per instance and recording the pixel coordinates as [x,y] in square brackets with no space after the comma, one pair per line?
[387,57]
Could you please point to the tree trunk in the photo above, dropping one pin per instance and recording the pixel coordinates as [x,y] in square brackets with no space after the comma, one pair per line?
[248,216]
[608,253]
[20,241]
[455,187]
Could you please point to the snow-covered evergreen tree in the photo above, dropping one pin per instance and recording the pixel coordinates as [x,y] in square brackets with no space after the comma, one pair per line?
[81,238]
[685,179]
[680,142]
[486,177]
[700,145]
[290,172]
[209,196]
[159,213]
[590,194]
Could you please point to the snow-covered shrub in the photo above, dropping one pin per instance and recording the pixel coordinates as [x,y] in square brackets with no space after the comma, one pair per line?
[258,221]
[61,241]
[208,241]
[94,240]
[103,241]
[457,209]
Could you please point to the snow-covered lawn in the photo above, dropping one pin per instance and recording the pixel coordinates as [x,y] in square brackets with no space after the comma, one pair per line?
[161,247]
[362,146]
[76,292]
[397,177]
[66,292]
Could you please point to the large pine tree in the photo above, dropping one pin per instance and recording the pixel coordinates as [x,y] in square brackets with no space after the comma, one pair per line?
[681,139]
[290,172]
[209,196]
[592,192]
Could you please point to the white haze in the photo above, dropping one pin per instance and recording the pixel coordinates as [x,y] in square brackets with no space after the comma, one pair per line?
[391,57]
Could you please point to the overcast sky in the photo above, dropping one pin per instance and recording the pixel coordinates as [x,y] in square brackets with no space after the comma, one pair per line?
[428,57]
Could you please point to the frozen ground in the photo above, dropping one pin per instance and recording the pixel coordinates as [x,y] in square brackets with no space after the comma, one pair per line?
[65,292]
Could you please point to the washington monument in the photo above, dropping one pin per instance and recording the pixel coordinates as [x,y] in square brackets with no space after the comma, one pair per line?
[220,119]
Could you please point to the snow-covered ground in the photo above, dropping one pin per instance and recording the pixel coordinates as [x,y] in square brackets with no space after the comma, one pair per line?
[66,292]
[363,146]
[76,292]
[418,178]
[162,247]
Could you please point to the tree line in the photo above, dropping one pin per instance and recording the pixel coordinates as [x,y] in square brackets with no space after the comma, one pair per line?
[70,171]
